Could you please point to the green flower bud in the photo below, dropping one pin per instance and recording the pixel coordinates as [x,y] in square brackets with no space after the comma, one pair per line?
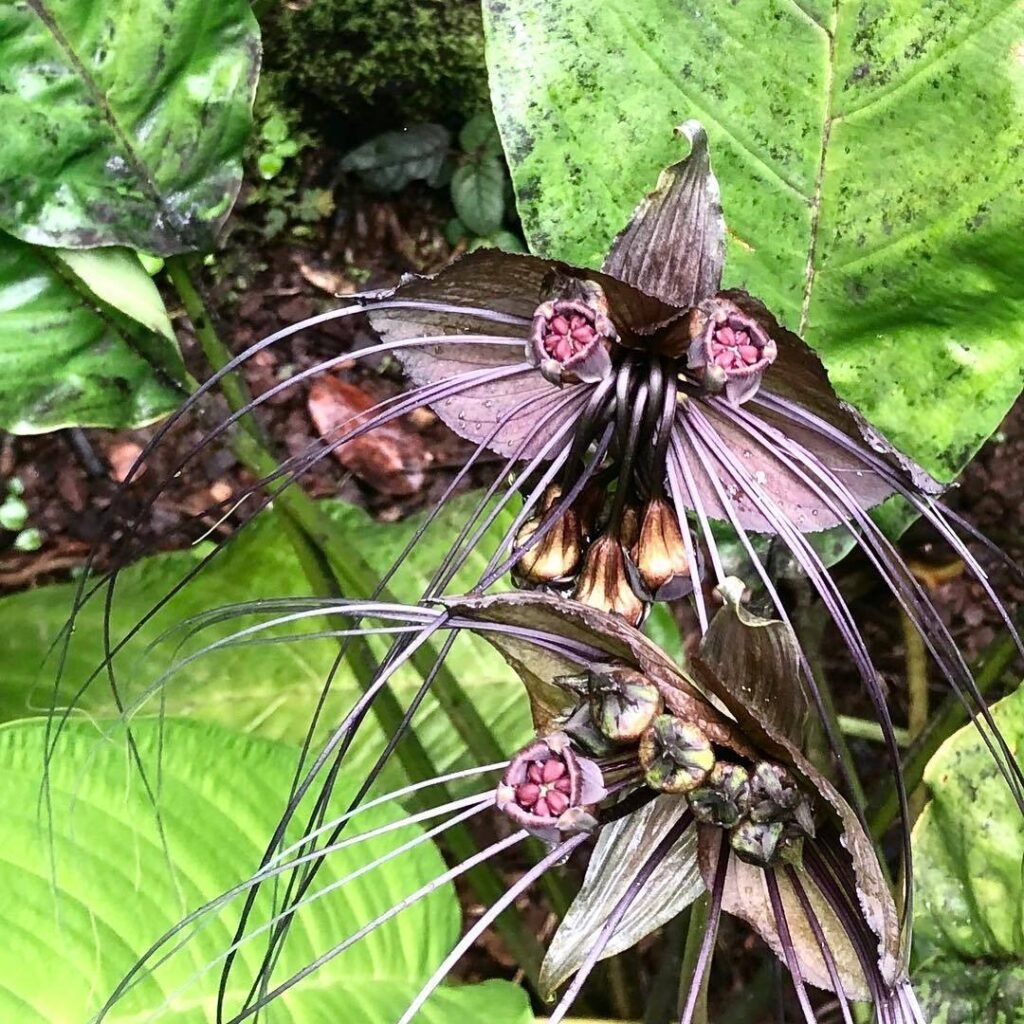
[676,756]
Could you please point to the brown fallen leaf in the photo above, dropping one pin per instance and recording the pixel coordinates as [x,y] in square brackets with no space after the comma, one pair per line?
[121,457]
[330,281]
[389,458]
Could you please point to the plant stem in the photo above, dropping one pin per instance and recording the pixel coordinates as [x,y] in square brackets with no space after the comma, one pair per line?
[695,931]
[341,572]
[995,660]
[917,696]
[864,729]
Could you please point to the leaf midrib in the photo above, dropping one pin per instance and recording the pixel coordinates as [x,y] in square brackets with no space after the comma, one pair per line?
[141,170]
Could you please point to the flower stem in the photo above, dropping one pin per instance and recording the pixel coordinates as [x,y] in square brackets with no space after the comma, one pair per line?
[916,661]
[864,729]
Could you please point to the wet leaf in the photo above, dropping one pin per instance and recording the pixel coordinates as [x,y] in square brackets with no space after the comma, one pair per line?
[124,126]
[84,341]
[392,160]
[868,156]
[220,793]
[478,193]
[390,458]
[968,884]
[622,850]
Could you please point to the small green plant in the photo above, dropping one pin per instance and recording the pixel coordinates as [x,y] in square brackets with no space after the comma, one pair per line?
[473,170]
[14,518]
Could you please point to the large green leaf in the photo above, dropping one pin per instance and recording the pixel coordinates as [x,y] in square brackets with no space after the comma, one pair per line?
[269,690]
[84,340]
[124,122]
[118,888]
[869,157]
[969,881]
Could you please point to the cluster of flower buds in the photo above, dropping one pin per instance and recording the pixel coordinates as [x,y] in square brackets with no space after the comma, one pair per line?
[619,571]
[551,789]
[764,810]
[729,350]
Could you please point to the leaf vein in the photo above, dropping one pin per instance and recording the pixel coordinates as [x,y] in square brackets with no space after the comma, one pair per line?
[745,147]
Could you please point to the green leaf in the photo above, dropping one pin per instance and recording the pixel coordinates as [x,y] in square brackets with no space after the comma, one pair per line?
[478,192]
[84,340]
[268,690]
[869,159]
[124,123]
[968,883]
[504,240]
[392,160]
[118,887]
[480,135]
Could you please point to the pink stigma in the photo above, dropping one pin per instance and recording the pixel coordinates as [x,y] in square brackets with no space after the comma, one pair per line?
[732,348]
[564,337]
[545,792]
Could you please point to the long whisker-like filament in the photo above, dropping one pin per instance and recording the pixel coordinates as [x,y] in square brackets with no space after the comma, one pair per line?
[819,937]
[408,901]
[786,941]
[707,945]
[556,856]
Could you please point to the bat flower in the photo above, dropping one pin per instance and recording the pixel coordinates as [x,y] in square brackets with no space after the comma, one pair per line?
[706,790]
[682,782]
[647,403]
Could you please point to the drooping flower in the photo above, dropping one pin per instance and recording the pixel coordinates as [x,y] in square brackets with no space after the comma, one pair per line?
[690,781]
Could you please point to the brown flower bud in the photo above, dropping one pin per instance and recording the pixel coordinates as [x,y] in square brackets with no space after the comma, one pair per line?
[676,756]
[660,554]
[604,584]
[557,555]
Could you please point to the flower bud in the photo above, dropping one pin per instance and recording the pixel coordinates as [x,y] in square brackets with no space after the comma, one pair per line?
[571,336]
[776,797]
[757,844]
[724,797]
[556,556]
[547,789]
[623,702]
[676,756]
[730,350]
[660,554]
[604,583]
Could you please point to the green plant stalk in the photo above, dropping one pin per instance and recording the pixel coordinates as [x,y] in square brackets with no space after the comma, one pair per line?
[998,656]
[351,576]
[916,661]
[863,729]
[695,931]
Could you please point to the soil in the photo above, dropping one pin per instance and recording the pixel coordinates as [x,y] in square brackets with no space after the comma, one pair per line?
[72,477]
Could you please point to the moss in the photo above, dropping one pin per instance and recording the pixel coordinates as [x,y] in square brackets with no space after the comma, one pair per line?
[360,66]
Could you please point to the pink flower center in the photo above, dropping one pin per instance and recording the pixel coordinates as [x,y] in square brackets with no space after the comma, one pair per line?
[733,349]
[545,792]
[565,336]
